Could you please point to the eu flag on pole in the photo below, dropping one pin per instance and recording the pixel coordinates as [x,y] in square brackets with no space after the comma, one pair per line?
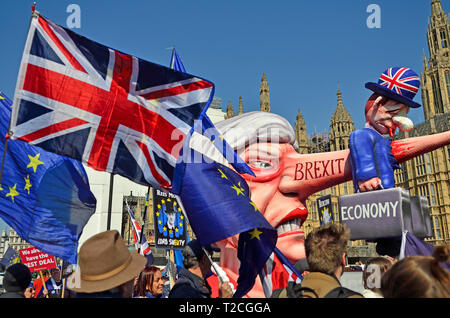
[44,197]
[217,204]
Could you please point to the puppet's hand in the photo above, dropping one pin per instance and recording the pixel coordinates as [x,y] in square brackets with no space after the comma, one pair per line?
[369,185]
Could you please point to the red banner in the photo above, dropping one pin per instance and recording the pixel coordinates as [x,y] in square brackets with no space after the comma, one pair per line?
[36,260]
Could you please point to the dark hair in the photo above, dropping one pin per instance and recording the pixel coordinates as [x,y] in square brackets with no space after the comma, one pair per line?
[418,276]
[383,265]
[146,278]
[324,247]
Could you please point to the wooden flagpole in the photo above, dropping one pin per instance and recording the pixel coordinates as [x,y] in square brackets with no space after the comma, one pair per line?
[43,284]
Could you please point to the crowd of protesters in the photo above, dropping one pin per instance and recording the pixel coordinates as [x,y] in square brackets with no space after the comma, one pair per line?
[107,269]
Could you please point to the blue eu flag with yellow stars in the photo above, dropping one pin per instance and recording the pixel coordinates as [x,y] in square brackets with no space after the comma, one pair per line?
[217,203]
[44,197]
[10,257]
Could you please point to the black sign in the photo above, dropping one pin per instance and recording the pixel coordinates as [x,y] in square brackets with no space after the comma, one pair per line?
[325,209]
[170,224]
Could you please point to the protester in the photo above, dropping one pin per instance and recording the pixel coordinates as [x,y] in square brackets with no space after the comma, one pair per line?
[106,268]
[373,271]
[150,283]
[326,249]
[191,281]
[16,281]
[418,276]
[54,286]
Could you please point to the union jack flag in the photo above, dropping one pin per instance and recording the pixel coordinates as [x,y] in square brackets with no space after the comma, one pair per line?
[144,249]
[277,273]
[110,110]
[401,80]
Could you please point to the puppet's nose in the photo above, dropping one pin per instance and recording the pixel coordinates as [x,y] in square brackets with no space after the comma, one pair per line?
[305,174]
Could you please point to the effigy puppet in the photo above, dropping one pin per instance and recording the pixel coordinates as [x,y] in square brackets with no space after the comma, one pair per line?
[284,179]
[370,148]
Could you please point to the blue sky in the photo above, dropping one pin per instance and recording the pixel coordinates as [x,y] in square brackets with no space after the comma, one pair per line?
[304,47]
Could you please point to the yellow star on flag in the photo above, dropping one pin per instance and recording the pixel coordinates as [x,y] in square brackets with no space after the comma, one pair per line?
[1,97]
[181,217]
[164,228]
[28,184]
[255,234]
[222,174]
[238,189]
[34,162]
[254,205]
[159,222]
[12,192]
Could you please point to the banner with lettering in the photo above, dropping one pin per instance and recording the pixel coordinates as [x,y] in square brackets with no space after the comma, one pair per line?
[376,214]
[170,223]
[36,260]
[325,209]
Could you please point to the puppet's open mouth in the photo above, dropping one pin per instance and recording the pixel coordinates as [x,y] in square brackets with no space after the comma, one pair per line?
[292,222]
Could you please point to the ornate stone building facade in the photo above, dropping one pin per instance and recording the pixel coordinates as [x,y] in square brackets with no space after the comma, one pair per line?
[429,174]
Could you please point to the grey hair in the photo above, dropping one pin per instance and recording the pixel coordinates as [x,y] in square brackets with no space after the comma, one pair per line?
[246,129]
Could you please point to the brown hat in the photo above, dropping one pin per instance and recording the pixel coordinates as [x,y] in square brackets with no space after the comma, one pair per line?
[105,262]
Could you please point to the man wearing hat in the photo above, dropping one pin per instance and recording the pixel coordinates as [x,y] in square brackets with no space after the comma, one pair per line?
[191,281]
[370,148]
[16,280]
[106,268]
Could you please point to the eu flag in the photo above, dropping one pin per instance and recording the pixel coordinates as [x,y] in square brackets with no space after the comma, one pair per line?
[10,257]
[217,204]
[44,197]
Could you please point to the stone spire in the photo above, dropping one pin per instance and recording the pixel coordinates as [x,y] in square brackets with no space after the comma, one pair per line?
[264,98]
[341,125]
[241,107]
[230,111]
[436,72]
[300,134]
[436,8]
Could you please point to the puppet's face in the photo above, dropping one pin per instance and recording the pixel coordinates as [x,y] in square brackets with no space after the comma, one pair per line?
[386,115]
[276,196]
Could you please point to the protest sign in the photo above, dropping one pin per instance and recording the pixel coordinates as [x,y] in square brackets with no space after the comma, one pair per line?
[170,223]
[325,209]
[36,260]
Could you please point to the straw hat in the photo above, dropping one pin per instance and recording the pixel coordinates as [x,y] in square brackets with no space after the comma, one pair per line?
[105,263]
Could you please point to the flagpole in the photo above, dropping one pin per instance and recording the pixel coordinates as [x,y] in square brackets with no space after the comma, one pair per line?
[111,183]
[143,220]
[34,14]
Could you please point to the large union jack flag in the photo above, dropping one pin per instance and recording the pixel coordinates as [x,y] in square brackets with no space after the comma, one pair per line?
[110,110]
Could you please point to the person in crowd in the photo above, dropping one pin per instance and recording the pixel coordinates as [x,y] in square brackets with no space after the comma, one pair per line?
[418,276]
[150,283]
[106,268]
[16,281]
[373,271]
[191,281]
[326,249]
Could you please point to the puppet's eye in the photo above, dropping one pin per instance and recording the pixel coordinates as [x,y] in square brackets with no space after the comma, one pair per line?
[261,164]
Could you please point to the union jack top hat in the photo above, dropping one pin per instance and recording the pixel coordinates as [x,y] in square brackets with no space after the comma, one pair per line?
[397,83]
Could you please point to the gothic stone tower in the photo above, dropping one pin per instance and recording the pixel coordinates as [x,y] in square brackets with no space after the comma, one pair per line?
[230,111]
[264,98]
[429,174]
[341,126]
[300,134]
[436,71]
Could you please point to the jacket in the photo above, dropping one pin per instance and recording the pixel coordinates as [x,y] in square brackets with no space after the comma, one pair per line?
[190,285]
[322,284]
[371,156]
